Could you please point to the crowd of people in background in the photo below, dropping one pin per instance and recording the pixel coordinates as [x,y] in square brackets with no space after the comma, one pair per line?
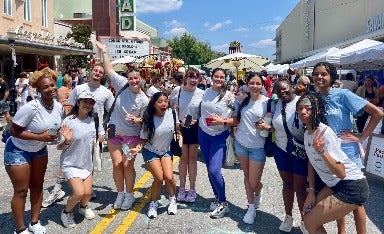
[313,113]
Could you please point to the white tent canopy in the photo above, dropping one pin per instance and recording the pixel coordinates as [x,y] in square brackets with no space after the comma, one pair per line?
[307,62]
[368,58]
[248,61]
[126,59]
[334,58]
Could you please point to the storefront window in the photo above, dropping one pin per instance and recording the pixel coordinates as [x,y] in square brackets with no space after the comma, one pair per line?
[27,10]
[8,7]
[44,16]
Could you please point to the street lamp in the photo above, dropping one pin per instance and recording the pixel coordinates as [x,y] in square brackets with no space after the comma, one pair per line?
[11,34]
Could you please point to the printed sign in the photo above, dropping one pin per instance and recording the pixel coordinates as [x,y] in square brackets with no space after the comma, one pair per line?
[119,47]
[374,158]
[127,6]
[127,23]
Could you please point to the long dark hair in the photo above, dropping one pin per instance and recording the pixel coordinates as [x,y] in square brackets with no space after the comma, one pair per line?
[245,102]
[224,87]
[148,124]
[331,69]
[318,109]
[75,110]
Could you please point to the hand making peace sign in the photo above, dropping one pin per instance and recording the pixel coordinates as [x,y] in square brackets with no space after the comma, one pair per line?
[318,141]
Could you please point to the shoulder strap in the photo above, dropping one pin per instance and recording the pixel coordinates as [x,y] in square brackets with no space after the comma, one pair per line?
[284,117]
[96,119]
[108,116]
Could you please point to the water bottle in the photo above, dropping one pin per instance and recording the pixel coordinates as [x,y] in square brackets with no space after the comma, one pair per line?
[267,120]
[125,149]
[54,129]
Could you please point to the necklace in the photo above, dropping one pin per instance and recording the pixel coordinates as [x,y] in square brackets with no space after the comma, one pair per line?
[45,106]
[327,98]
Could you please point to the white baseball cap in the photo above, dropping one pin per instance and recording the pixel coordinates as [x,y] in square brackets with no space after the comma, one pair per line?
[86,95]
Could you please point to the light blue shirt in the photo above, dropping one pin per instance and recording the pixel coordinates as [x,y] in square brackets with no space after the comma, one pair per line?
[341,105]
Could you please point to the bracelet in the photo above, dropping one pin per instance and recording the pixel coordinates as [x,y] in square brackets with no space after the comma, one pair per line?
[225,122]
[310,189]
[68,143]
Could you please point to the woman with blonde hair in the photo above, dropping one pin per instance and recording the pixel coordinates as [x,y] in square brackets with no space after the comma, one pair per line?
[64,92]
[26,155]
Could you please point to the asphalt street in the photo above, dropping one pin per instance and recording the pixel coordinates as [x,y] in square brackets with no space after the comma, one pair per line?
[190,218]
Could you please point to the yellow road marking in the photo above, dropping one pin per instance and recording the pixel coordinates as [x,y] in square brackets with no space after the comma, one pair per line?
[132,215]
[103,224]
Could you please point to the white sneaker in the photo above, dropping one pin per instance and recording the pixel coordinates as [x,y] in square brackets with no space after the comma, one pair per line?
[258,199]
[26,231]
[129,199]
[172,207]
[220,211]
[214,204]
[53,197]
[68,220]
[287,224]
[37,228]
[302,228]
[250,216]
[152,210]
[119,200]
[87,212]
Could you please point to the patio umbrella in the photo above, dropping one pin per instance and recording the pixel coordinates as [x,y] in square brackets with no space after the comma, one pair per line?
[126,59]
[239,61]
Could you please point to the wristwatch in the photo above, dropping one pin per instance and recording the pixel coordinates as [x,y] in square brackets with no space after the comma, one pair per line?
[269,129]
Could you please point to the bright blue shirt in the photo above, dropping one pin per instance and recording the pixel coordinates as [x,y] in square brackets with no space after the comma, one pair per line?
[341,105]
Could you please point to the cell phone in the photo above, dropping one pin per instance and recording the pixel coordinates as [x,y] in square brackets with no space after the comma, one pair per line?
[188,121]
[111,131]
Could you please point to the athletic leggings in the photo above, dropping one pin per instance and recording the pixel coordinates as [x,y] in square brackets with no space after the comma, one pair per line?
[214,150]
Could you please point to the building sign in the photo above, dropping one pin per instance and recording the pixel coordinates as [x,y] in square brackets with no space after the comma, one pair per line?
[127,23]
[376,22]
[127,15]
[47,38]
[127,6]
[119,47]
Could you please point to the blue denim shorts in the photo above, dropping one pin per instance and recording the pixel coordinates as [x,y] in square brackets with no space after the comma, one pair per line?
[14,156]
[290,163]
[150,156]
[257,154]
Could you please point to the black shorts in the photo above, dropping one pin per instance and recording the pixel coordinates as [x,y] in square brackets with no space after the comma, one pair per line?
[190,134]
[351,191]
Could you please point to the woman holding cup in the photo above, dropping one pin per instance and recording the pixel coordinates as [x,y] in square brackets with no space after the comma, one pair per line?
[216,110]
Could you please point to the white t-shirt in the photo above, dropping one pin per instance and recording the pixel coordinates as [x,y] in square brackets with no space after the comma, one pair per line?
[104,100]
[246,133]
[211,106]
[163,134]
[152,90]
[21,85]
[36,119]
[333,148]
[76,160]
[277,121]
[127,102]
[188,103]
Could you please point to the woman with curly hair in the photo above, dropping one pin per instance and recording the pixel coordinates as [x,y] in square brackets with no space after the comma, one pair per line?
[26,155]
[340,104]
[346,188]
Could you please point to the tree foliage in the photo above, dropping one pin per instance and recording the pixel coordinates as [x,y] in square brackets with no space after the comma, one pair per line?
[80,33]
[192,51]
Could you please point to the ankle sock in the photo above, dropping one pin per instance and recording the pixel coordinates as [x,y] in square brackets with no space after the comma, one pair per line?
[21,230]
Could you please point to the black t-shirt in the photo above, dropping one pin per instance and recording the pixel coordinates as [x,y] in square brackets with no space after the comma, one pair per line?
[3,87]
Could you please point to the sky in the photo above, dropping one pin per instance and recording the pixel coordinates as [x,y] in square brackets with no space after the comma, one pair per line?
[253,23]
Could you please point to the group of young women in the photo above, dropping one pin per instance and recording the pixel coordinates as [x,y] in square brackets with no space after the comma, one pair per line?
[329,173]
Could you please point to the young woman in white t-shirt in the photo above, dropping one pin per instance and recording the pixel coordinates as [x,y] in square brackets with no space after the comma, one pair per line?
[249,144]
[187,99]
[26,154]
[127,118]
[346,187]
[156,135]
[78,134]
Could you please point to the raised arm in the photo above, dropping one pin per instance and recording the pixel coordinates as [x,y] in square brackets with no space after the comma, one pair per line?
[107,63]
